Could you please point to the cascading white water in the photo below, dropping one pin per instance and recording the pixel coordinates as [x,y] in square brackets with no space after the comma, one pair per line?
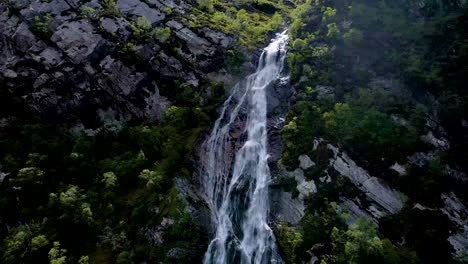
[238,197]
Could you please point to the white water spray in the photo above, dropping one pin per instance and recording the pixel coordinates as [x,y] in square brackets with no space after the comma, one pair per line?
[239,197]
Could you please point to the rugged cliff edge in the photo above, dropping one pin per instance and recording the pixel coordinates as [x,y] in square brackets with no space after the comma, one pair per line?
[88,62]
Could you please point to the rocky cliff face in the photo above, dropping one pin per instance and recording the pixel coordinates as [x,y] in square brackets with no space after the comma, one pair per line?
[85,62]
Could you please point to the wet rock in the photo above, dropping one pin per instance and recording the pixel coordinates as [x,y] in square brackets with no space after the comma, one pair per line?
[194,202]
[305,162]
[77,39]
[285,208]
[277,95]
[138,8]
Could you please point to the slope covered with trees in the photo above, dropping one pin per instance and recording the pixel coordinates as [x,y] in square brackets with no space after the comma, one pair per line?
[376,78]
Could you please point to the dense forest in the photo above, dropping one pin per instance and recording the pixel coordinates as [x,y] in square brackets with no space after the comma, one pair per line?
[96,182]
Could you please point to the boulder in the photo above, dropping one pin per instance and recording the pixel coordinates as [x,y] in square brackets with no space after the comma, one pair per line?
[54,7]
[41,80]
[305,162]
[77,39]
[167,66]
[399,168]
[324,91]
[9,74]
[136,8]
[116,26]
[117,77]
[49,57]
[174,25]
[217,37]
[196,44]
[24,38]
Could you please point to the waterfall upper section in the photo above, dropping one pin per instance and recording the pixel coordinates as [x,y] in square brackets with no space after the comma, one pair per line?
[235,173]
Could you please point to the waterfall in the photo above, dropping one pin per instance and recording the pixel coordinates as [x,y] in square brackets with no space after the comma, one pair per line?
[235,175]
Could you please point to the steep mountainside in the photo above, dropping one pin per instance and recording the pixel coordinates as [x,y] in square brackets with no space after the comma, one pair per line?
[353,150]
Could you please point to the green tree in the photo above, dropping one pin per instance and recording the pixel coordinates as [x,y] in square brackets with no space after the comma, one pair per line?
[353,37]
[38,242]
[163,34]
[290,240]
[333,30]
[109,179]
[57,255]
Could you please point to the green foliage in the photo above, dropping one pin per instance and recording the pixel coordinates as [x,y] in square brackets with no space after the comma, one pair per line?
[83,260]
[43,25]
[299,44]
[109,179]
[57,255]
[163,34]
[333,30]
[73,205]
[353,37]
[328,13]
[89,13]
[38,242]
[126,49]
[152,178]
[360,244]
[28,177]
[142,30]
[206,5]
[109,8]
[289,241]
[251,28]
[424,184]
[425,231]
[23,242]
[365,130]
